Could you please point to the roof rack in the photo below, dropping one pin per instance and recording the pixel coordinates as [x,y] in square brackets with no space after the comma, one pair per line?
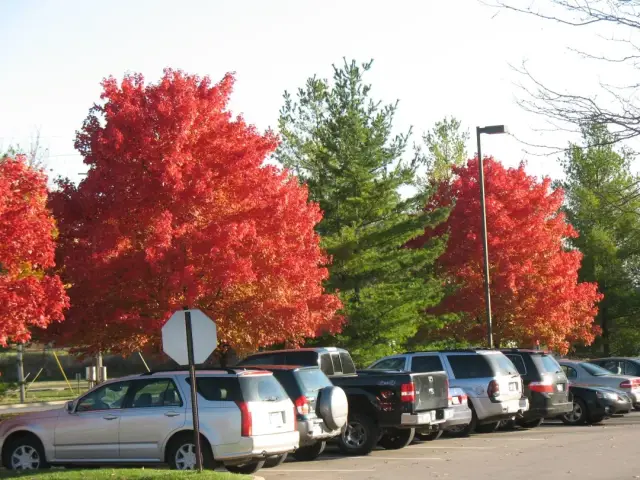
[470,349]
[231,371]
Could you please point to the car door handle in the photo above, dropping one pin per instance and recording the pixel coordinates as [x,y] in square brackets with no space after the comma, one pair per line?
[110,417]
[171,414]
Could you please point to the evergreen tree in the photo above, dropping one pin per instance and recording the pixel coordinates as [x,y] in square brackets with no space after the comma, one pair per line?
[445,144]
[597,182]
[340,142]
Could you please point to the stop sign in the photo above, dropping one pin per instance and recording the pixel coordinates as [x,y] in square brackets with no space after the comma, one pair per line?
[174,337]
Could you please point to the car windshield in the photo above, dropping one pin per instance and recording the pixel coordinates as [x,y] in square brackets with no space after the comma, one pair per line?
[595,370]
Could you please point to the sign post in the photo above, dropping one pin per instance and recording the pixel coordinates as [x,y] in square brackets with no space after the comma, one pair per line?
[201,335]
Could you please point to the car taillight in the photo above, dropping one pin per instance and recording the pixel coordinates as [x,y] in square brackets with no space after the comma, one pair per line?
[295,423]
[463,399]
[246,421]
[545,386]
[407,392]
[493,390]
[302,405]
[626,384]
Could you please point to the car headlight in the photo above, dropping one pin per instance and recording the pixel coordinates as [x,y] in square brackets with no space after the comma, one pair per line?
[607,395]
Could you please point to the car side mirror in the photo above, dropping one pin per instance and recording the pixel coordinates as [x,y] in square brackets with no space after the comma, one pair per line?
[69,407]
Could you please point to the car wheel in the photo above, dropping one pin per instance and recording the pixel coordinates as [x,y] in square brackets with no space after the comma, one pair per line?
[397,438]
[360,436]
[429,437]
[487,427]
[531,423]
[272,462]
[246,468]
[595,419]
[578,415]
[181,453]
[310,452]
[460,431]
[24,453]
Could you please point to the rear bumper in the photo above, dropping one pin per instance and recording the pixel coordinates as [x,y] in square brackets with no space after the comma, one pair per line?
[430,417]
[548,411]
[461,416]
[314,430]
[488,411]
[260,446]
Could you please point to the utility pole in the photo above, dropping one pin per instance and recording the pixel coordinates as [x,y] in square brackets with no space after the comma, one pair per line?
[99,375]
[20,357]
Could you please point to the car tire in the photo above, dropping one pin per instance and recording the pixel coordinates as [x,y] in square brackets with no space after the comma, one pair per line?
[397,438]
[429,437]
[332,406]
[595,419]
[276,461]
[246,468]
[17,448]
[360,436]
[531,423]
[310,452]
[181,448]
[487,427]
[578,415]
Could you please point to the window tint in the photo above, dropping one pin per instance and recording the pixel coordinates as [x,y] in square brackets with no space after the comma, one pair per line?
[518,361]
[261,388]
[337,365]
[288,381]
[348,366]
[154,393]
[631,368]
[470,366]
[325,364]
[312,380]
[501,364]
[426,363]
[594,370]
[390,364]
[108,397]
[548,362]
[258,360]
[309,359]
[218,389]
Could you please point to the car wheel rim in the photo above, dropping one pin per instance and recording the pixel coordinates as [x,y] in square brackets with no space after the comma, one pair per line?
[354,435]
[575,414]
[456,428]
[25,458]
[186,457]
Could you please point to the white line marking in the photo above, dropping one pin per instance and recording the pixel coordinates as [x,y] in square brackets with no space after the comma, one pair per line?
[454,448]
[323,470]
[375,457]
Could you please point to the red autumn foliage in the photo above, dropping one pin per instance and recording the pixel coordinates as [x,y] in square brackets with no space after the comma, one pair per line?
[535,293]
[178,210]
[29,296]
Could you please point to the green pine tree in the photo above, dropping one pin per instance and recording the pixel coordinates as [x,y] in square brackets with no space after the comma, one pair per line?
[340,142]
[601,205]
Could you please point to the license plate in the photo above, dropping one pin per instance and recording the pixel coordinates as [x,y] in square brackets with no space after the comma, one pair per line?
[275,418]
[561,387]
[513,387]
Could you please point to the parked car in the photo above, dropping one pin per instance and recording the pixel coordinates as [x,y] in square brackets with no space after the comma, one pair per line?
[593,404]
[490,380]
[385,407]
[545,385]
[245,417]
[586,373]
[462,417]
[620,366]
[322,408]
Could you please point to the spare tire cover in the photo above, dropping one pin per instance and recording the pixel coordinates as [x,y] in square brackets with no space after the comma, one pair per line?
[332,406]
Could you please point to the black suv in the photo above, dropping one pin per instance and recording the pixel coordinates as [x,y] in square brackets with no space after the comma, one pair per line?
[545,385]
[321,408]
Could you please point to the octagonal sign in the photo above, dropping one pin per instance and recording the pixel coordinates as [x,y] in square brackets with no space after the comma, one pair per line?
[174,337]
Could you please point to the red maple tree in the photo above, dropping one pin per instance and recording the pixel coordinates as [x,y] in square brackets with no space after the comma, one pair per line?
[535,292]
[30,296]
[177,210]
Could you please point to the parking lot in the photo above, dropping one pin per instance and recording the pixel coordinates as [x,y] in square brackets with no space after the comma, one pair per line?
[605,452]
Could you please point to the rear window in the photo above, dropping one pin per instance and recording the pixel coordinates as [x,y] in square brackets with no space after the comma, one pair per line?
[325,364]
[547,363]
[518,361]
[218,389]
[312,380]
[337,365]
[348,366]
[308,359]
[261,388]
[481,366]
[426,363]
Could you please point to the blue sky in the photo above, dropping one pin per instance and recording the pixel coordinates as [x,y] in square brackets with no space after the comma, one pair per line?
[437,57]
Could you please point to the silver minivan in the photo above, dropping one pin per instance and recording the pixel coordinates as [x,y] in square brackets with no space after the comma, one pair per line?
[245,417]
[490,380]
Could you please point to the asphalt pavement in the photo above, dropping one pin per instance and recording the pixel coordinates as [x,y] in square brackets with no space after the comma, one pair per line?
[608,451]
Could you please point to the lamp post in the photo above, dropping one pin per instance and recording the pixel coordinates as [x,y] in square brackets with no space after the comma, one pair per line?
[490,130]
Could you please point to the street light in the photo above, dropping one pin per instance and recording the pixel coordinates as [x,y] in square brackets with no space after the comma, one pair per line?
[490,130]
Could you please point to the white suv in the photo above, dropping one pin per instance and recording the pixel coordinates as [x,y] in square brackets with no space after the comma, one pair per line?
[491,382]
[245,417]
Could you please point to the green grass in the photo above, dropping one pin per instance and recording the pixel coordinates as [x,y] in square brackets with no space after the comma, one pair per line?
[124,474]
[59,391]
